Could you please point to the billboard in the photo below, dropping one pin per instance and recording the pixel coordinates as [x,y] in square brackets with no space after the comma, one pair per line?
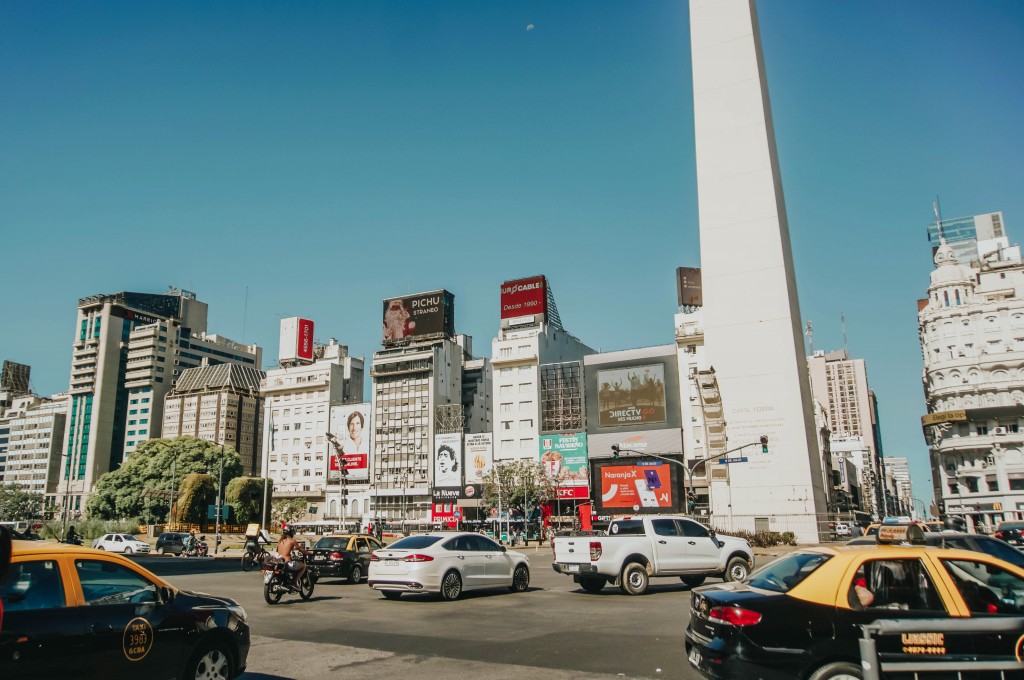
[644,486]
[423,315]
[689,289]
[564,458]
[524,297]
[348,440]
[661,442]
[631,396]
[479,457]
[447,467]
[296,342]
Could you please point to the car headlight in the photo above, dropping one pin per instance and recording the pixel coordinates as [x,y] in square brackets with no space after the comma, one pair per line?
[238,611]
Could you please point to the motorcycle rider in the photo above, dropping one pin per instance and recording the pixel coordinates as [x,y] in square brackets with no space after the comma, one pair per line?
[190,542]
[285,546]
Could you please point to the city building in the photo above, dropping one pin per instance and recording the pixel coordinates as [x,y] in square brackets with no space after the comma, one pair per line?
[972,342]
[751,314]
[853,460]
[31,435]
[127,350]
[841,385]
[300,397]
[964,234]
[221,404]
[902,501]
[14,383]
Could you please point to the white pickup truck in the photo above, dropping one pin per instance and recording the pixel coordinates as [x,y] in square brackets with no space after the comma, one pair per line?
[636,549]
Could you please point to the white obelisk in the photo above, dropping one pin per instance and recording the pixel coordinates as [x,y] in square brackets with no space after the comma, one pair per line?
[752,325]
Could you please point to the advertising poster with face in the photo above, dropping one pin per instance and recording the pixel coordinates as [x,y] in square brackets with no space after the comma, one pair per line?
[479,462]
[426,314]
[564,458]
[348,440]
[636,487]
[631,396]
[447,466]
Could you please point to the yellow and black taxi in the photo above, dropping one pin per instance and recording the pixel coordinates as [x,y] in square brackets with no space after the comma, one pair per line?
[343,556]
[807,614]
[74,612]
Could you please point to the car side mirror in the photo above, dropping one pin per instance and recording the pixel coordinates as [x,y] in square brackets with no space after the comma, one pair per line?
[166,595]
[504,549]
[712,534]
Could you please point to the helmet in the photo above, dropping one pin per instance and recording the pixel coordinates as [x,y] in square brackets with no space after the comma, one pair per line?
[288,532]
[191,533]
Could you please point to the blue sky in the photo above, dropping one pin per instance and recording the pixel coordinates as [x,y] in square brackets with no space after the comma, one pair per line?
[325,155]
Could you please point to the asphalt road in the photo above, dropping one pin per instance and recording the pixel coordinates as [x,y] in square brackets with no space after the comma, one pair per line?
[554,631]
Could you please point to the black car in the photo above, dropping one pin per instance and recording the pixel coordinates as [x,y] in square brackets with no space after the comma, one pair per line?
[171,542]
[976,542]
[73,612]
[343,556]
[1012,533]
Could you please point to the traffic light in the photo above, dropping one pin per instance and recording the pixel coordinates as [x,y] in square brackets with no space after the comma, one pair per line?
[615,451]
[764,443]
[691,500]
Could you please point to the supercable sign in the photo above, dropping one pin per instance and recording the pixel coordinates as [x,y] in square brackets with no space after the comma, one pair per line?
[524,297]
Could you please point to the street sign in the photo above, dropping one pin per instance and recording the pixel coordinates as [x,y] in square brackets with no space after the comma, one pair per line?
[724,461]
[458,514]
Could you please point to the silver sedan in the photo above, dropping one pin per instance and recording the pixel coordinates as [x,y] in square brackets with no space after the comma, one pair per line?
[446,563]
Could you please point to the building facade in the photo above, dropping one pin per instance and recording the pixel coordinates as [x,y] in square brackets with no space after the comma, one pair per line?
[964,234]
[33,428]
[221,404]
[972,341]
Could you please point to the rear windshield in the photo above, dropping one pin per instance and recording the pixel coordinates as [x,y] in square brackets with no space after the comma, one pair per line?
[415,542]
[627,527]
[331,544]
[1011,525]
[786,572]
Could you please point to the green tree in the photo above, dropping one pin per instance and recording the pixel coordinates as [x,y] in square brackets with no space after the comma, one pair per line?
[245,495]
[118,494]
[518,484]
[198,491]
[16,503]
[287,510]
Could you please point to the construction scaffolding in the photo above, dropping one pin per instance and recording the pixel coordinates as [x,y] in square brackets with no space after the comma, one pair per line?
[714,418]
[449,418]
[561,397]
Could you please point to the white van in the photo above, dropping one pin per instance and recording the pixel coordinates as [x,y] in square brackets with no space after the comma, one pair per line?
[843,530]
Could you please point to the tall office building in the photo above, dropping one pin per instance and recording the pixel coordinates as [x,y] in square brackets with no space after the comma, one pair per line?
[31,434]
[903,499]
[841,385]
[752,324]
[221,404]
[972,342]
[965,234]
[127,351]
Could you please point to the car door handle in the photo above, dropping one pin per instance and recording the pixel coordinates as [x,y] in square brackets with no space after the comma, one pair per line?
[102,628]
[692,542]
[462,557]
[663,542]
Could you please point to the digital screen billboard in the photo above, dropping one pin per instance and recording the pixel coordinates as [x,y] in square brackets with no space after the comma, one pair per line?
[417,316]
[348,440]
[641,486]
[447,467]
[631,396]
[524,297]
[563,457]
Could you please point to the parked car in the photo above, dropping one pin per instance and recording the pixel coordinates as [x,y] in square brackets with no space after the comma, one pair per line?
[637,549]
[120,543]
[446,563]
[343,556]
[73,612]
[172,542]
[843,530]
[748,630]
[1012,532]
[976,542]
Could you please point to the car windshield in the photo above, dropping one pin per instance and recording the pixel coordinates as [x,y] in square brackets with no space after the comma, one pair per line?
[1000,549]
[331,544]
[786,572]
[415,542]
[128,537]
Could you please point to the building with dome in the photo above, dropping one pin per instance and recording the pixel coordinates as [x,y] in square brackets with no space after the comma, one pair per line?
[972,339]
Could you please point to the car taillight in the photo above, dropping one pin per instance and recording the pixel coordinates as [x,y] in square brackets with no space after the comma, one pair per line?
[419,558]
[374,557]
[734,616]
[336,555]
[595,551]
[998,534]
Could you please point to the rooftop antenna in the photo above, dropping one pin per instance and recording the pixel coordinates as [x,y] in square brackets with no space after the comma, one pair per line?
[842,319]
[938,220]
[809,332]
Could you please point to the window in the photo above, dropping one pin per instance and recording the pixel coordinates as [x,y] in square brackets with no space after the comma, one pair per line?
[526,423]
[506,424]
[32,585]
[987,588]
[506,389]
[524,388]
[665,527]
[895,584]
[784,573]
[106,583]
[693,529]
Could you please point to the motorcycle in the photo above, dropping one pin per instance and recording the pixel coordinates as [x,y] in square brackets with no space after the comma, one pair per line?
[197,549]
[280,577]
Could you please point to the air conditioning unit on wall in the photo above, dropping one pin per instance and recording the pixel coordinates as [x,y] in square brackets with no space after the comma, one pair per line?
[999,430]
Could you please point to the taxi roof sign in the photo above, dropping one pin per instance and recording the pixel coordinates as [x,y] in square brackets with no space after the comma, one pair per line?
[892,534]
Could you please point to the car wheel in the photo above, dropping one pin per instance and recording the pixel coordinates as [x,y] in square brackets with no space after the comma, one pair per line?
[306,587]
[160,550]
[635,579]
[391,594]
[592,584]
[520,579]
[738,569]
[451,586]
[212,661]
[356,575]
[841,670]
[247,562]
[99,547]
[127,551]
[692,581]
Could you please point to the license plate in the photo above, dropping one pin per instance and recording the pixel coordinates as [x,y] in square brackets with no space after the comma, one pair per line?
[267,576]
[572,568]
[319,557]
[390,563]
[695,657]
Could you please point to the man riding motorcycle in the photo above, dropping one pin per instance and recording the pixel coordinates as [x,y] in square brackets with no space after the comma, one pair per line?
[285,546]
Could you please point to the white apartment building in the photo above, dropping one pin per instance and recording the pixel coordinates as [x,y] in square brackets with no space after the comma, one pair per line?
[703,427]
[221,404]
[972,342]
[296,419]
[33,427]
[899,469]
[849,450]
